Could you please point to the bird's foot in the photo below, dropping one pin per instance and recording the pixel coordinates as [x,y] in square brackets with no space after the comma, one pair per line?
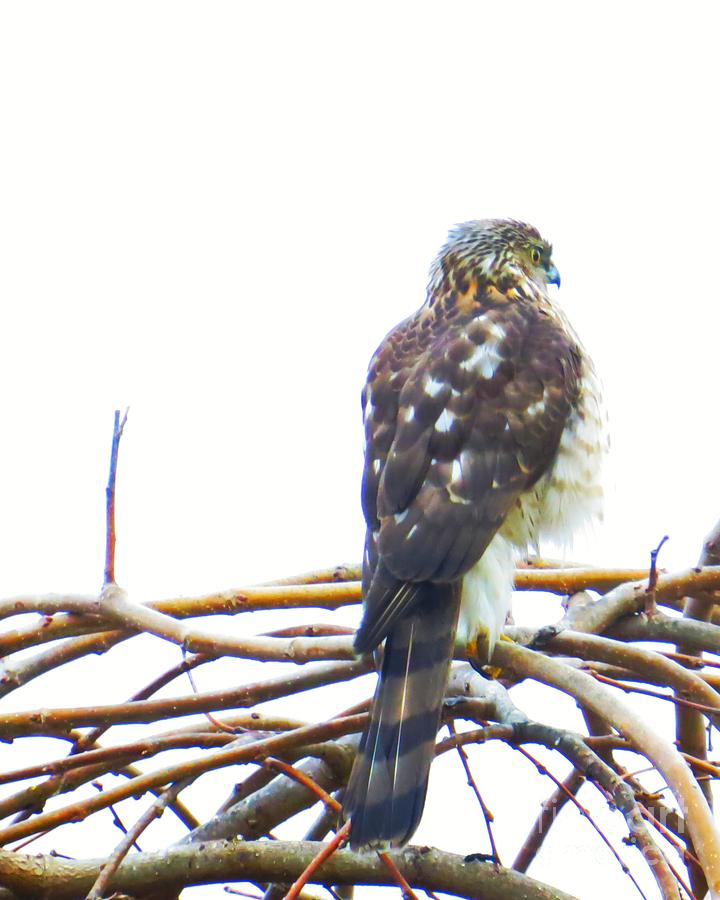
[477,655]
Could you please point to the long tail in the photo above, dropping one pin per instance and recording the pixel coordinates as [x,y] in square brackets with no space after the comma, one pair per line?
[386,792]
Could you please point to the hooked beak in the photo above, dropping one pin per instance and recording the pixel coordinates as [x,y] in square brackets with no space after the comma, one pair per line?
[553,276]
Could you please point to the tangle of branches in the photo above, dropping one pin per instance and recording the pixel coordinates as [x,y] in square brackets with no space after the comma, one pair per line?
[623,632]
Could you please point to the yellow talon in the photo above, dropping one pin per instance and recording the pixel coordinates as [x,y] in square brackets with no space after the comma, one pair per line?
[496,671]
[477,650]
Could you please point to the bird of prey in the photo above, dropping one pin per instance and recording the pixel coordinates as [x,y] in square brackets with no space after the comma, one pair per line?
[483,435]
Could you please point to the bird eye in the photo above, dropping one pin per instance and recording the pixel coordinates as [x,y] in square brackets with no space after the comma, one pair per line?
[535,256]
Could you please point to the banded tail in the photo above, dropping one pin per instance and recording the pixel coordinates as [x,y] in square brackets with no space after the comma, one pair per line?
[386,792]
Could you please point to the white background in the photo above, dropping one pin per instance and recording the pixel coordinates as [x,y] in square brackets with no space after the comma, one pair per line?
[213,212]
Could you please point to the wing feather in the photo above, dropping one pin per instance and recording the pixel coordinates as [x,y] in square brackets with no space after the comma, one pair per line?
[460,421]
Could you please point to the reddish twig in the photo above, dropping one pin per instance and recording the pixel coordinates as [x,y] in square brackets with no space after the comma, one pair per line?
[631,689]
[119,755]
[669,836]
[18,847]
[216,723]
[59,721]
[180,771]
[305,780]
[548,813]
[543,770]
[681,881]
[487,815]
[407,892]
[690,662]
[326,852]
[109,577]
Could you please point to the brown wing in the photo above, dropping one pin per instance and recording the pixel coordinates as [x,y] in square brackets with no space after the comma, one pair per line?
[463,413]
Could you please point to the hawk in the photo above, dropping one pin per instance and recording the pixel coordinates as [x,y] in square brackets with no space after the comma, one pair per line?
[483,435]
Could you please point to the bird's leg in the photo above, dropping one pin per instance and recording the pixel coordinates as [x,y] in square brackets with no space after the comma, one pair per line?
[477,655]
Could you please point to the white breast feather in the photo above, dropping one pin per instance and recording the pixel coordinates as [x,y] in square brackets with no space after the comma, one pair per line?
[485,598]
[567,497]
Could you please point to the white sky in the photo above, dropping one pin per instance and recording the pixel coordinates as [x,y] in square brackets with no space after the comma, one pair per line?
[212,213]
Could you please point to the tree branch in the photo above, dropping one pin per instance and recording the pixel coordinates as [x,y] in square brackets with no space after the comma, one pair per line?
[264,861]
[662,754]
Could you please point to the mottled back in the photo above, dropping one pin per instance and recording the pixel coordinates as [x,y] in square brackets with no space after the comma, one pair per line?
[464,406]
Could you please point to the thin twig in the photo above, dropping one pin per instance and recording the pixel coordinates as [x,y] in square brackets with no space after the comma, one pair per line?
[690,724]
[650,601]
[327,851]
[117,821]
[217,723]
[629,688]
[154,811]
[660,752]
[653,574]
[121,754]
[548,814]
[180,771]
[407,891]
[583,812]
[303,779]
[684,853]
[118,427]
[487,815]
[57,722]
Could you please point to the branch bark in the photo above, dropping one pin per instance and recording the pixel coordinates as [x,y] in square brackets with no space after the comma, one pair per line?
[263,861]
[663,755]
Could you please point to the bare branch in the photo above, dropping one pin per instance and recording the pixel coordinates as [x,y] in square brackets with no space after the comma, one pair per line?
[276,745]
[154,811]
[545,820]
[264,861]
[257,814]
[663,755]
[109,575]
[115,605]
[58,722]
[690,724]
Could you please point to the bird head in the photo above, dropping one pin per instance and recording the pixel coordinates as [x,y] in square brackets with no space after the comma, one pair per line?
[502,250]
